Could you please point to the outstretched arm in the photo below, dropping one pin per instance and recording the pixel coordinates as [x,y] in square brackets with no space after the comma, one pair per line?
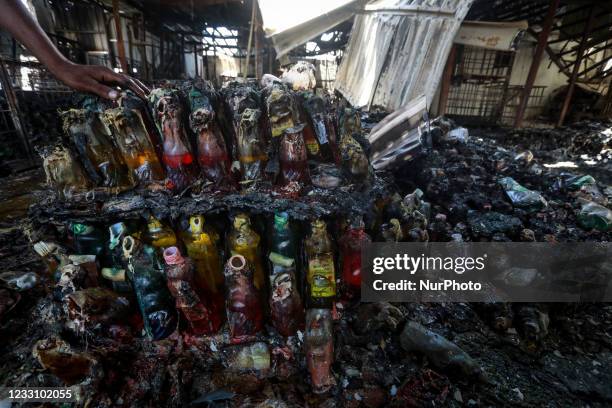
[17,20]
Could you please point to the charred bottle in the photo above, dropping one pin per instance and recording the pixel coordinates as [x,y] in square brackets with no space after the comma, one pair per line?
[87,239]
[177,156]
[280,113]
[202,244]
[251,150]
[244,241]
[293,157]
[92,139]
[243,303]
[146,273]
[351,244]
[391,231]
[319,348]
[158,235]
[114,270]
[212,153]
[321,275]
[136,144]
[323,127]
[239,97]
[354,159]
[180,275]
[63,172]
[286,308]
[310,138]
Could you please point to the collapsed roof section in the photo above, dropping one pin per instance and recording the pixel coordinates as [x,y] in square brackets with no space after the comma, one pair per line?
[397,51]
[290,24]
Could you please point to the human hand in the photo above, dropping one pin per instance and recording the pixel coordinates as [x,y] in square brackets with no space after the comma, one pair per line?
[98,80]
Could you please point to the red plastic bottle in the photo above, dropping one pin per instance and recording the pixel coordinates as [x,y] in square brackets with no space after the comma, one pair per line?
[293,156]
[179,272]
[319,348]
[243,302]
[177,156]
[351,243]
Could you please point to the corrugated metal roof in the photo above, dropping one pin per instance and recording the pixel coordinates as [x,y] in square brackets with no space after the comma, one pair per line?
[397,51]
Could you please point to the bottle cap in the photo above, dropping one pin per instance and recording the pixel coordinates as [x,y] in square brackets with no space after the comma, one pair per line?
[281,219]
[154,224]
[172,256]
[195,223]
[81,229]
[240,220]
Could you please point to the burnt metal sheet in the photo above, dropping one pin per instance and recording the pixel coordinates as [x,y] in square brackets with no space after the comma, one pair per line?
[398,137]
[397,51]
[290,24]
[491,35]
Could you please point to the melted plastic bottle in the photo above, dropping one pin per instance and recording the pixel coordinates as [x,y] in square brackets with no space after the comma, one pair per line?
[351,243]
[177,156]
[251,150]
[323,127]
[202,244]
[179,272]
[321,277]
[92,139]
[63,172]
[319,348]
[354,160]
[391,231]
[244,307]
[280,113]
[115,269]
[146,273]
[135,144]
[158,235]
[293,156]
[244,241]
[286,308]
[212,152]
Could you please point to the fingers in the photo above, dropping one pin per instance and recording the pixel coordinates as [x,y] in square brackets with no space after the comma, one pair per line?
[100,89]
[107,76]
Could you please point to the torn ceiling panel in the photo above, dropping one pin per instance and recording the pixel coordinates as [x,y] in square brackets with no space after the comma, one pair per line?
[290,24]
[397,51]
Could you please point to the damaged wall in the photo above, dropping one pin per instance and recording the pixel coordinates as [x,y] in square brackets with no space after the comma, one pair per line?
[382,65]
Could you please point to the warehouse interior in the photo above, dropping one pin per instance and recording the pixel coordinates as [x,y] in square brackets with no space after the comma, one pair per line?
[401,120]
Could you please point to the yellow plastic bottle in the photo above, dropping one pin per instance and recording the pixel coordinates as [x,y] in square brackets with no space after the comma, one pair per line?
[158,235]
[202,247]
[244,241]
[321,277]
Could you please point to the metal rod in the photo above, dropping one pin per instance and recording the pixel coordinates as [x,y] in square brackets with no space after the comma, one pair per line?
[446,80]
[535,63]
[120,45]
[246,70]
[572,82]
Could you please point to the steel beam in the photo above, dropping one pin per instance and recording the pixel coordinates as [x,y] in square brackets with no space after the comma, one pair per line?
[535,63]
[575,71]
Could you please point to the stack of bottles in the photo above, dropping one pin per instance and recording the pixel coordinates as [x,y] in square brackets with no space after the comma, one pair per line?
[193,137]
[192,275]
[239,275]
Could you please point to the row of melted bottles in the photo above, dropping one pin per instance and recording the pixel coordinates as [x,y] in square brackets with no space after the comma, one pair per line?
[206,293]
[121,147]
